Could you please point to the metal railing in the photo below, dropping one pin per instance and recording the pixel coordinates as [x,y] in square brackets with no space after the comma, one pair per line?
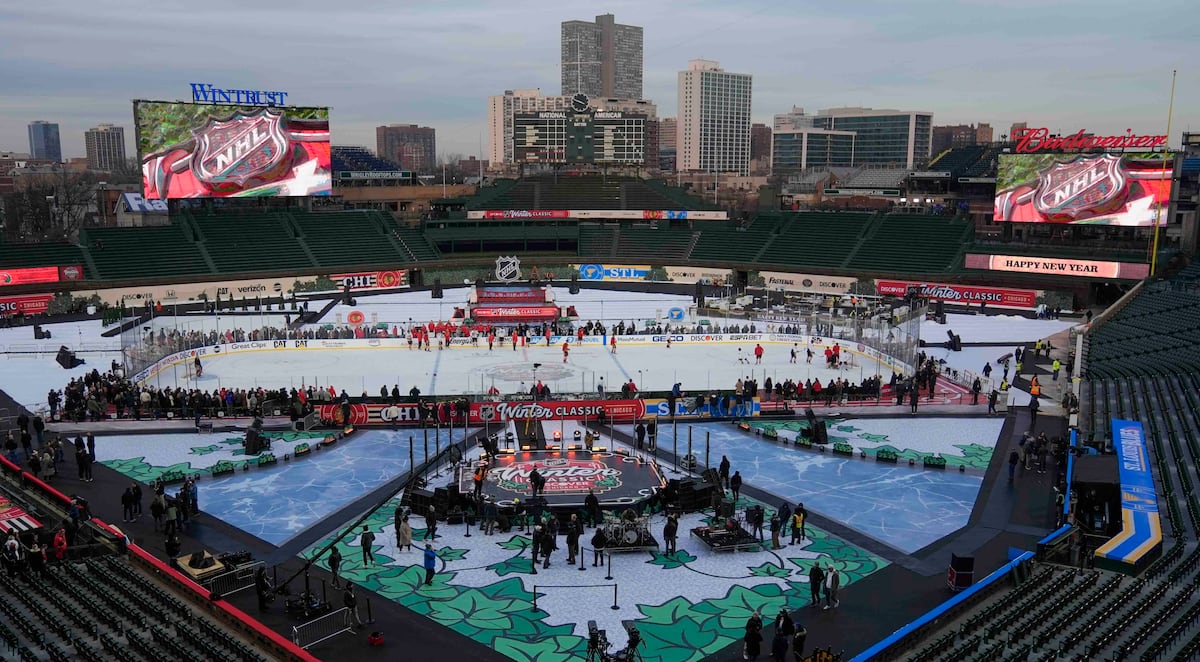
[322,628]
[239,579]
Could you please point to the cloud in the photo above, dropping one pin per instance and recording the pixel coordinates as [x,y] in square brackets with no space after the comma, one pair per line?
[1102,64]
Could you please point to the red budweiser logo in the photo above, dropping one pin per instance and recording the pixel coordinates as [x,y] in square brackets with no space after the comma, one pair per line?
[1040,140]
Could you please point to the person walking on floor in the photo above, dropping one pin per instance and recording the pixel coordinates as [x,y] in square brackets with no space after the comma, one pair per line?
[776,527]
[671,533]
[993,398]
[1014,458]
[799,642]
[404,535]
[367,542]
[735,485]
[127,505]
[430,523]
[350,601]
[430,563]
[335,566]
[599,540]
[816,583]
[723,472]
[913,398]
[262,587]
[1054,368]
[574,529]
[832,580]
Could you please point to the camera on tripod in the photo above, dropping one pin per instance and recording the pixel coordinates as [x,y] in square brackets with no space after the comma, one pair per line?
[598,645]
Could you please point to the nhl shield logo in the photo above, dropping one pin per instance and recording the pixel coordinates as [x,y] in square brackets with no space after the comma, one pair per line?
[1086,185]
[508,269]
[232,151]
[487,412]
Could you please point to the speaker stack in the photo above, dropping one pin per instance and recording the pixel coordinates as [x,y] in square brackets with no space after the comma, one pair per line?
[695,496]
[436,292]
[419,500]
[66,358]
[39,333]
[962,572]
[712,476]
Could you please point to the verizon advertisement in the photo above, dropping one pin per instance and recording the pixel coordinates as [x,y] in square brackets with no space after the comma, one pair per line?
[34,275]
[1058,266]
[964,294]
[32,304]
[777,280]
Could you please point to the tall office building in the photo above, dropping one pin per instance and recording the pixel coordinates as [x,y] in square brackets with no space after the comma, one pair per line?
[105,146]
[713,125]
[900,138]
[43,141]
[602,59]
[410,146]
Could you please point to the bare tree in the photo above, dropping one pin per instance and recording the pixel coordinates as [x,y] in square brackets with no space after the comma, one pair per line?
[50,206]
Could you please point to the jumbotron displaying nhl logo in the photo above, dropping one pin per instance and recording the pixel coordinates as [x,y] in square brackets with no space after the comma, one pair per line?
[1068,190]
[239,148]
[508,269]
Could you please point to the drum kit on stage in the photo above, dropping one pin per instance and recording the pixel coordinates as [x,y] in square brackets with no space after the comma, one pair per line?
[629,530]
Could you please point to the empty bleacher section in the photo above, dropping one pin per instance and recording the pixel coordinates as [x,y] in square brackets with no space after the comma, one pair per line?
[663,244]
[415,245]
[816,239]
[597,241]
[149,252]
[349,239]
[40,255]
[102,609]
[737,244]
[240,242]
[499,236]
[985,165]
[910,243]
[956,160]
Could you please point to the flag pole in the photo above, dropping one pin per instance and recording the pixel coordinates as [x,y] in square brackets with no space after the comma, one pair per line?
[1166,151]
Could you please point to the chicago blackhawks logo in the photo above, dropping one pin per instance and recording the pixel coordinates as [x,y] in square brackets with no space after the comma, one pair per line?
[1084,185]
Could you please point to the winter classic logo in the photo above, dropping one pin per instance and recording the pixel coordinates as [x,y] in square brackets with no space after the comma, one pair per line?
[232,151]
[562,476]
[1068,190]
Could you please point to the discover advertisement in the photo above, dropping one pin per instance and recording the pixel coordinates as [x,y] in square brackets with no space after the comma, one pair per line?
[1051,266]
[699,275]
[964,294]
[778,280]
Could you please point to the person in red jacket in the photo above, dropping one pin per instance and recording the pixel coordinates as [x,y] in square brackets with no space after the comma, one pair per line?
[566,350]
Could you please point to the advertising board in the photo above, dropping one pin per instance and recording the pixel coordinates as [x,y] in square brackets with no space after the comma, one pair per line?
[34,275]
[189,150]
[964,294]
[1057,266]
[1084,189]
[699,275]
[28,304]
[612,272]
[778,280]
[617,214]
[372,280]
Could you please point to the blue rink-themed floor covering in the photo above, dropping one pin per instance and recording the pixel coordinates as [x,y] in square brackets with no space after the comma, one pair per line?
[688,605]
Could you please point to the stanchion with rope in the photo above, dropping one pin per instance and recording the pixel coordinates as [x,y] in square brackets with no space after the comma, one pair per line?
[534,604]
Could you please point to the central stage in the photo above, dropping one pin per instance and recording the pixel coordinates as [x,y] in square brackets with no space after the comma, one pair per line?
[618,481]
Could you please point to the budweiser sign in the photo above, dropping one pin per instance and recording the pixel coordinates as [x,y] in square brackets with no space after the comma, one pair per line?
[562,476]
[964,294]
[1040,140]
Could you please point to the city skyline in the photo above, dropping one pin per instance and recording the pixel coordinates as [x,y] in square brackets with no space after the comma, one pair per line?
[1053,68]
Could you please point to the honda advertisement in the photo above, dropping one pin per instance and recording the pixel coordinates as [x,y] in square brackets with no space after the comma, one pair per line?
[1084,189]
[963,294]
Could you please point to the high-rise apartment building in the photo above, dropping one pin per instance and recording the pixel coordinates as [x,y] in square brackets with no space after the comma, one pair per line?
[410,146]
[602,58]
[43,141]
[899,138]
[105,145]
[713,125]
[960,135]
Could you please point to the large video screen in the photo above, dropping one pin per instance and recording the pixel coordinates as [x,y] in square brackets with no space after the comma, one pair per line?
[1084,189]
[190,150]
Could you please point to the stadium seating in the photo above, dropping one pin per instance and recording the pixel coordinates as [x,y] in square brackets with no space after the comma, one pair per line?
[911,243]
[985,165]
[102,609]
[664,245]
[150,252]
[736,244]
[816,239]
[584,192]
[501,237]
[242,242]
[359,158]
[38,255]
[956,160]
[349,239]
[415,244]
[597,241]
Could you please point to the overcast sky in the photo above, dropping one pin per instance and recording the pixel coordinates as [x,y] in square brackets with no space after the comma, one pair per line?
[1104,65]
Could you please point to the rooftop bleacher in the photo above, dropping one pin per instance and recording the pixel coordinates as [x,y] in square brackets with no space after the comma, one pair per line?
[985,165]
[957,159]
[876,178]
[359,158]
[585,192]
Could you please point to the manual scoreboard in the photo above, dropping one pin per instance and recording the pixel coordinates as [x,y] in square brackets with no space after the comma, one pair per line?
[570,136]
